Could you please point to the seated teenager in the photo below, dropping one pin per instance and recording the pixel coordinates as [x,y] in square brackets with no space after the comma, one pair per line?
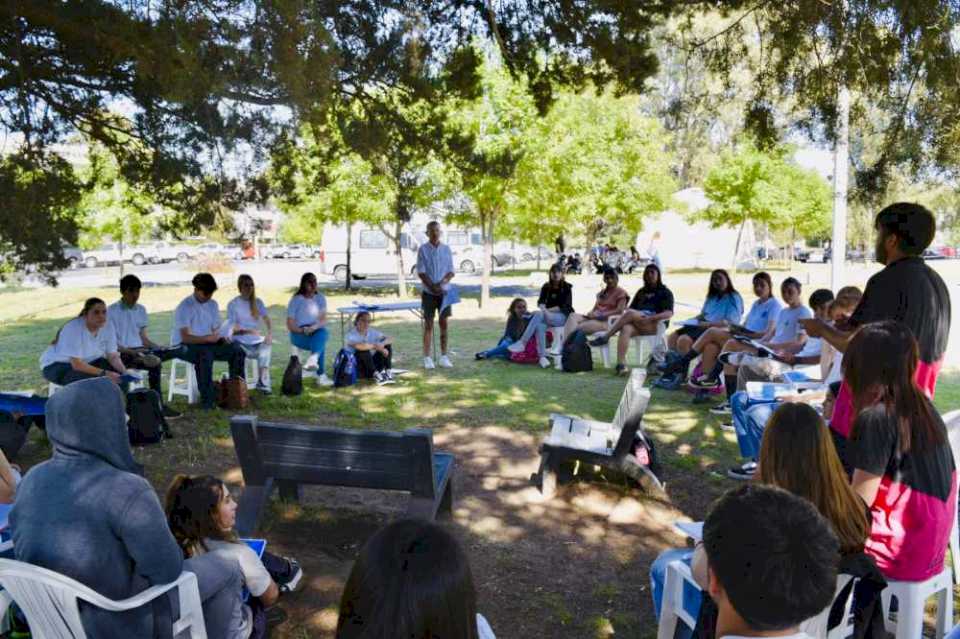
[831,359]
[307,323]
[202,513]
[246,312]
[137,350]
[555,305]
[611,300]
[412,579]
[903,466]
[517,319]
[373,350]
[652,304]
[84,347]
[722,307]
[88,514]
[196,325]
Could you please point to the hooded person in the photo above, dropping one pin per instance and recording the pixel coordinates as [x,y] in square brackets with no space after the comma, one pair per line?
[87,513]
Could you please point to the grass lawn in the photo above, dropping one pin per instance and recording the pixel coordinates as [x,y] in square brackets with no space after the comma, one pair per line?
[576,566]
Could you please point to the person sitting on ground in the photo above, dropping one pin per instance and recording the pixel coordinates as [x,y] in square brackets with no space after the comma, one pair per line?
[652,304]
[307,323]
[197,326]
[796,440]
[373,350]
[84,347]
[202,513]
[137,350]
[611,300]
[245,312]
[757,525]
[723,306]
[903,466]
[555,305]
[517,319]
[88,514]
[411,579]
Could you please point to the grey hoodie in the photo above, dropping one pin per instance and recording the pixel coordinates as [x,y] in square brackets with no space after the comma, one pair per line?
[86,513]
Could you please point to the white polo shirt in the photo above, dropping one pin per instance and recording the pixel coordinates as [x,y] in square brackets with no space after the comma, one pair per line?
[788,324]
[127,321]
[239,315]
[76,340]
[373,336]
[434,261]
[200,319]
[306,310]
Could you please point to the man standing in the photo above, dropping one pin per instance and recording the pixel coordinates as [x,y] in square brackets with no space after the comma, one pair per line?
[435,268]
[137,350]
[907,291]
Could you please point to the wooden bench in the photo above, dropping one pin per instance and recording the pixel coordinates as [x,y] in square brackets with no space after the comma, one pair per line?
[610,445]
[289,455]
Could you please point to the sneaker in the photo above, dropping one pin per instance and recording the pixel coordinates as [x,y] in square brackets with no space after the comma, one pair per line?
[379,378]
[553,351]
[388,374]
[744,472]
[445,361]
[428,363]
[544,362]
[170,413]
[621,370]
[599,340]
[722,409]
[293,583]
[516,347]
[312,362]
[728,427]
[478,356]
[731,358]
[705,381]
[323,380]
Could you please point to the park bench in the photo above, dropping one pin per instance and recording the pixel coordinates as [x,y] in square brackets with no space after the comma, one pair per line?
[609,445]
[288,455]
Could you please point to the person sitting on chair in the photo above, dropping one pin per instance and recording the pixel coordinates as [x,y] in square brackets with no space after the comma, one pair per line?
[137,350]
[373,350]
[245,313]
[307,323]
[611,300]
[84,347]
[196,325]
[555,306]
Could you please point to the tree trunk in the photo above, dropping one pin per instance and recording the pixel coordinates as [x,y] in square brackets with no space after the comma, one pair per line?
[349,278]
[736,250]
[401,272]
[487,219]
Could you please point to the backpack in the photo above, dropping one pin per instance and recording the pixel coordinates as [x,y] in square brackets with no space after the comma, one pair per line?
[292,383]
[147,424]
[344,369]
[576,356]
[232,393]
[529,354]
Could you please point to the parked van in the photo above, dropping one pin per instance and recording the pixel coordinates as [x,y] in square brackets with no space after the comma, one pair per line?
[371,251]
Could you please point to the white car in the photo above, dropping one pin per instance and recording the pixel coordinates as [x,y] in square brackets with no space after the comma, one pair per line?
[106,254]
[141,254]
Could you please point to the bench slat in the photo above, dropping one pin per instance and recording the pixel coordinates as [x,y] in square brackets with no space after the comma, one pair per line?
[327,456]
[291,434]
[338,476]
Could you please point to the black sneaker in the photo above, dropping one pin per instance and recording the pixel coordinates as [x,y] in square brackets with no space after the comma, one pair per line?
[622,370]
[744,472]
[599,340]
[705,381]
[728,427]
[170,413]
[722,409]
[478,356]
[293,583]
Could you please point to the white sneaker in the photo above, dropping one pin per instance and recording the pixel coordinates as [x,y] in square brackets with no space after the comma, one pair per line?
[311,363]
[517,347]
[380,378]
[445,362]
[544,362]
[323,380]
[428,363]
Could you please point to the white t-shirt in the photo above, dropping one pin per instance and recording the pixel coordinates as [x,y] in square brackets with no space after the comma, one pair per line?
[306,310]
[761,314]
[255,575]
[199,319]
[239,315]
[373,336]
[127,321]
[788,324]
[76,341]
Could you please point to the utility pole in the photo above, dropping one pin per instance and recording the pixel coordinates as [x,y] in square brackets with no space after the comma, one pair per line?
[841,155]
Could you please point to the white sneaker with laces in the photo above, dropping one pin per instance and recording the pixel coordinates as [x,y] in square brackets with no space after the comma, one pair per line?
[323,380]
[544,362]
[517,347]
[445,361]
[428,363]
[380,378]
[311,363]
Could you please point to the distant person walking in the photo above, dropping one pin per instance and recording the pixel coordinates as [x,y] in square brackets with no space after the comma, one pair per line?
[435,268]
[560,244]
[653,250]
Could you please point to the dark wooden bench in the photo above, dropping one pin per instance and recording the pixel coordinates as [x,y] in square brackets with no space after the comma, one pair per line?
[610,445]
[288,455]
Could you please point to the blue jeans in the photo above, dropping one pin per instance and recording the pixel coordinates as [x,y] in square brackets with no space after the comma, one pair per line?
[692,597]
[750,417]
[500,350]
[315,343]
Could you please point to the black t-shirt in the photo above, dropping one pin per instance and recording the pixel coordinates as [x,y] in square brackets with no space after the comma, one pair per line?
[560,297]
[911,292]
[655,301]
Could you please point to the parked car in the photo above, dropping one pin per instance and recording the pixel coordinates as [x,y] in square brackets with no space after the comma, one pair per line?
[930,254]
[74,255]
[210,249]
[106,254]
[141,254]
[169,252]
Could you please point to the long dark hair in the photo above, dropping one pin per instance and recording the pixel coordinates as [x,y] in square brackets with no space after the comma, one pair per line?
[87,305]
[880,366]
[652,267]
[556,268]
[713,292]
[412,579]
[303,282]
[513,306]
[191,505]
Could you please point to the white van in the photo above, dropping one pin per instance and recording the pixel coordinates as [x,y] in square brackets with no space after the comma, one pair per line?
[371,251]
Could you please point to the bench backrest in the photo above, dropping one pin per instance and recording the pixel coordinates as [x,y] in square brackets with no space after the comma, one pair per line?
[334,456]
[633,404]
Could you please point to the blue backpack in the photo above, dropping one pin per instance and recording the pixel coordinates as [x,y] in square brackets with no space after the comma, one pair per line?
[344,369]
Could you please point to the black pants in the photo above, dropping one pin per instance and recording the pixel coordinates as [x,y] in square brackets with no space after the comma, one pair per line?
[202,356]
[13,434]
[135,360]
[62,373]
[281,572]
[370,362]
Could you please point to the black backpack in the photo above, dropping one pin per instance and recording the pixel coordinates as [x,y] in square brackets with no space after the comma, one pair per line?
[147,424]
[344,369]
[576,356]
[292,383]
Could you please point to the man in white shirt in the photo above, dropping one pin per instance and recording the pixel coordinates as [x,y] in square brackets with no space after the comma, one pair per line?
[137,350]
[768,560]
[435,268]
[196,325]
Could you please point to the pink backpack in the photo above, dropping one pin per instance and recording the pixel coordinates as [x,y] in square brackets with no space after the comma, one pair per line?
[529,354]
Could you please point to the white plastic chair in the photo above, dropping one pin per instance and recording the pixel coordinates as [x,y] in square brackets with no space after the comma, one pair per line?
[183,383]
[49,600]
[817,626]
[252,371]
[556,349]
[645,346]
[911,598]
